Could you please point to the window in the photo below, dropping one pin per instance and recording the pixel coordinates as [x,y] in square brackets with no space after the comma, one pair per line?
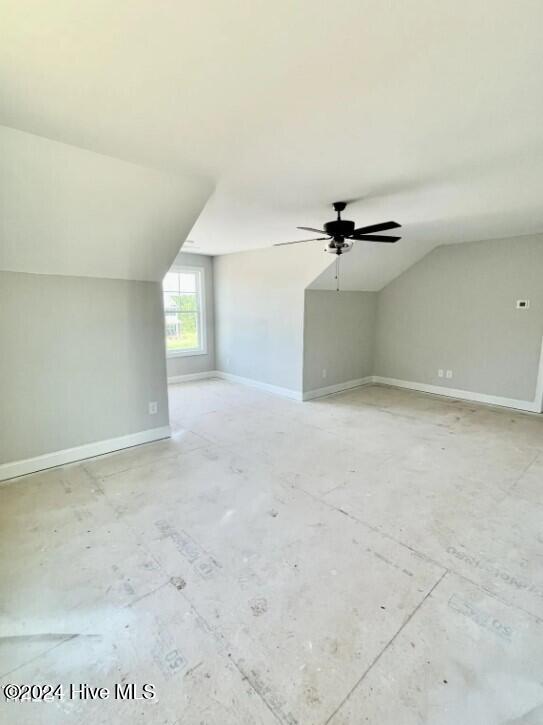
[184,311]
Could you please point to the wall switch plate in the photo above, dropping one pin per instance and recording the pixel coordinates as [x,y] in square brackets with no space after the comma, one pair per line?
[523,304]
[153,408]
[448,374]
[440,373]
[324,373]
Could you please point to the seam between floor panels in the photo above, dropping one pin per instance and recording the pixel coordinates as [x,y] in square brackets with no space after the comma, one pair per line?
[385,648]
[376,530]
[424,556]
[69,638]
[220,638]
[256,690]
[150,593]
[513,486]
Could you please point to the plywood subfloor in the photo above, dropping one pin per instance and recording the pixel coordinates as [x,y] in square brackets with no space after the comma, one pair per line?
[372,557]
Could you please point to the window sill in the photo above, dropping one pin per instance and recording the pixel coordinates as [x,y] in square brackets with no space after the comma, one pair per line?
[185,353]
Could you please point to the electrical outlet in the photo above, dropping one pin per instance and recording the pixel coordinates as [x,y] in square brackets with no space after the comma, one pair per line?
[448,374]
[153,407]
[324,373]
[440,373]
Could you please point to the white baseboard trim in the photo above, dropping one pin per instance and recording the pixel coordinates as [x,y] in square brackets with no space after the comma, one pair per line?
[535,406]
[191,376]
[275,389]
[89,450]
[330,389]
[529,406]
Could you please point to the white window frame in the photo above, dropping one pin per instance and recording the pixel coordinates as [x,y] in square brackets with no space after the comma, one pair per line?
[201,296]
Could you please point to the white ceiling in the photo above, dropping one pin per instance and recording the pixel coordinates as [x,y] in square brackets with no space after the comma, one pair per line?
[430,111]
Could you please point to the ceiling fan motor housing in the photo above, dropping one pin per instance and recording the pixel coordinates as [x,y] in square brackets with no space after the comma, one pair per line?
[339,228]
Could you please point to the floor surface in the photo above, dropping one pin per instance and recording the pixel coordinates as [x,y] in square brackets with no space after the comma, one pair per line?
[371,557]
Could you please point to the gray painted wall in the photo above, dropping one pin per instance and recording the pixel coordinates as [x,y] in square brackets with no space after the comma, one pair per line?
[339,333]
[80,359]
[187,365]
[259,319]
[455,309]
[259,312]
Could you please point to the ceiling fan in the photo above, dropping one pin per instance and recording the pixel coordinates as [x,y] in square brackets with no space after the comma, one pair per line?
[341,233]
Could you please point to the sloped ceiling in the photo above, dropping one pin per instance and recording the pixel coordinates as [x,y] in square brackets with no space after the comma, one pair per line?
[67,211]
[430,112]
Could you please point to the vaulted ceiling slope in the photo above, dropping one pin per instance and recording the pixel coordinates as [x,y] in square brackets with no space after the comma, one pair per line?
[430,112]
[67,211]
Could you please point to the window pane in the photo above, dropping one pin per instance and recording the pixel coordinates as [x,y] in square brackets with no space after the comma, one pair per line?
[182,331]
[171,282]
[171,302]
[187,281]
[180,302]
[188,302]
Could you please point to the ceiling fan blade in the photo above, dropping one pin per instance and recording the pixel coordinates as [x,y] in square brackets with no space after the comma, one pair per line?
[300,241]
[373,238]
[377,228]
[311,229]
